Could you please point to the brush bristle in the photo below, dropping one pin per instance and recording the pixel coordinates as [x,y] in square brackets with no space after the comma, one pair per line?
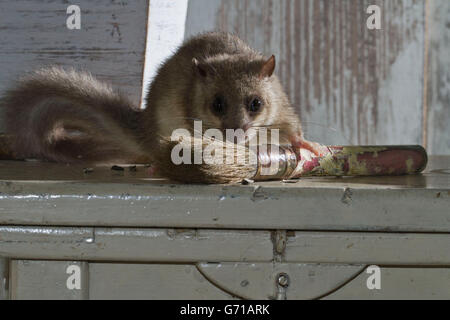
[205,173]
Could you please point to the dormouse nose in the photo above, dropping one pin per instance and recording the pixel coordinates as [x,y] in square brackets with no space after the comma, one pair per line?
[237,119]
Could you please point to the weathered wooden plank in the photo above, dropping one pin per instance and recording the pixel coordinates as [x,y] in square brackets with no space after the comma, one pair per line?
[351,85]
[368,248]
[4,279]
[175,245]
[47,280]
[110,43]
[34,193]
[166,25]
[438,73]
[399,284]
[265,206]
[225,207]
[155,281]
[121,244]
[259,281]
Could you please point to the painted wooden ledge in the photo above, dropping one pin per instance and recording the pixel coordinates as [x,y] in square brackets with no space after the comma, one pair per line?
[48,194]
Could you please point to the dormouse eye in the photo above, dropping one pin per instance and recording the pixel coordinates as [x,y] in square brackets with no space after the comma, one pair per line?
[255,104]
[218,105]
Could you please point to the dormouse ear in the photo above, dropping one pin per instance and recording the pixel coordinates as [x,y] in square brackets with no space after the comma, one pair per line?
[268,68]
[201,70]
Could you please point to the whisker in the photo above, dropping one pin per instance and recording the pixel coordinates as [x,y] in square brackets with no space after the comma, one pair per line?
[329,128]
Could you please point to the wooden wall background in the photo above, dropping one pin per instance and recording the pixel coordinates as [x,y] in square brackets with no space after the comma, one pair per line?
[110,43]
[351,85]
[438,82]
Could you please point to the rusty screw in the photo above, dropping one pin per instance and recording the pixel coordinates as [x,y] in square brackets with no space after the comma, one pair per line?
[283,280]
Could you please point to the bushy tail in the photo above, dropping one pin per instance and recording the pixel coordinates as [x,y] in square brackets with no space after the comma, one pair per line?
[69,116]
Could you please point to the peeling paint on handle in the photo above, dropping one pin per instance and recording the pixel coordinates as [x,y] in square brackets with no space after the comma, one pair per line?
[365,161]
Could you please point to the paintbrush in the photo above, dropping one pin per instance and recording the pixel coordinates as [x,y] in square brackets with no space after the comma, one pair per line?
[286,162]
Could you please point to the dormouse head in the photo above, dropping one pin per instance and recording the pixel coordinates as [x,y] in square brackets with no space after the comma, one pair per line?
[236,91]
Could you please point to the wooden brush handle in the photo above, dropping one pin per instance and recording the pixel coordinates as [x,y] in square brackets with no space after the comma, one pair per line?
[363,161]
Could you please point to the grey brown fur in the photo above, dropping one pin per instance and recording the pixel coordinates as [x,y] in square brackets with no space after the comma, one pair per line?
[69,116]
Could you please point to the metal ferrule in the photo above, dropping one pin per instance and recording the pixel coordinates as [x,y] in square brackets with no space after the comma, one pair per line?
[275,163]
